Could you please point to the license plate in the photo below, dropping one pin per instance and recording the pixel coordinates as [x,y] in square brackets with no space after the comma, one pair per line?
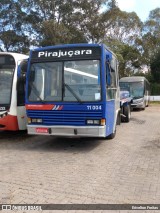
[42,130]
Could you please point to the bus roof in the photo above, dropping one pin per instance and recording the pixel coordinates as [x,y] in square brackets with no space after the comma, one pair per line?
[133,79]
[66,45]
[17,56]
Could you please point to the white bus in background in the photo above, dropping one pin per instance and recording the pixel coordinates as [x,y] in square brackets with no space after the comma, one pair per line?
[139,89]
[12,92]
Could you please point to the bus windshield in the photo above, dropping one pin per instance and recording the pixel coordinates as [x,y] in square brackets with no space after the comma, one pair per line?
[7,67]
[73,81]
[136,89]
[6,77]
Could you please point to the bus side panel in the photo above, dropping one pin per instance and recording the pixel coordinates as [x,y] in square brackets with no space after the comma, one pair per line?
[110,117]
[22,117]
[147,93]
[9,122]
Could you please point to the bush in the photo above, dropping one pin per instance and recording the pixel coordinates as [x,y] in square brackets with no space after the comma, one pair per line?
[155,89]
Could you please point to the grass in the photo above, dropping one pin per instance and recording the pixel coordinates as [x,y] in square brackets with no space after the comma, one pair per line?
[154,102]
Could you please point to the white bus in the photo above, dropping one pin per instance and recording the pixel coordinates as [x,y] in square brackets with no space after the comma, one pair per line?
[139,89]
[12,92]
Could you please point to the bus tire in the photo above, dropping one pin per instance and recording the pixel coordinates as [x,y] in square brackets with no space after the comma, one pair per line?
[144,106]
[127,113]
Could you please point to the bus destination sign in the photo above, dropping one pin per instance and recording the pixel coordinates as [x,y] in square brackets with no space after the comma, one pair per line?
[66,53]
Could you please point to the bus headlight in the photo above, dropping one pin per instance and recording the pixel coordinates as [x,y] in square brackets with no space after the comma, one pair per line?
[89,121]
[96,122]
[93,122]
[36,120]
[39,120]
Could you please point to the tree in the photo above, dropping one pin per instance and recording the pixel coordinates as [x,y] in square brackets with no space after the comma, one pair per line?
[54,33]
[128,56]
[12,36]
[88,19]
[151,36]
[126,27]
[155,67]
[82,19]
[121,35]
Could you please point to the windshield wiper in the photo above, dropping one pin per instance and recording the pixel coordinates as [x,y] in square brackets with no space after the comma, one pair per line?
[72,92]
[36,91]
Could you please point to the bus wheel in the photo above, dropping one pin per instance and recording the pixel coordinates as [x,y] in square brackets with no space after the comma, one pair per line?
[144,106]
[111,136]
[127,113]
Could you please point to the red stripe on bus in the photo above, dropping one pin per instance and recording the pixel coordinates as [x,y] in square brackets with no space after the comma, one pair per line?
[60,108]
[40,107]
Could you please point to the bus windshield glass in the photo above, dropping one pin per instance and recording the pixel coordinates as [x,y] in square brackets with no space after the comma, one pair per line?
[136,89]
[7,67]
[73,81]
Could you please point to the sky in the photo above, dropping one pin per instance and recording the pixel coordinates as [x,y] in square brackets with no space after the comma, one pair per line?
[141,7]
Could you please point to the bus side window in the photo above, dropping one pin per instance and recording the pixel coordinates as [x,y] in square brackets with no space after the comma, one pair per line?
[111,79]
[20,94]
[113,73]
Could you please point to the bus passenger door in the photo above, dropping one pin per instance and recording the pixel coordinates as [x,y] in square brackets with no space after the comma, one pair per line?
[21,111]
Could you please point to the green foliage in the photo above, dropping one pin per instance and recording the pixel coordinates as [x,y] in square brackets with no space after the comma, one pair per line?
[128,56]
[12,35]
[54,33]
[125,28]
[151,36]
[13,41]
[27,23]
[155,89]
[155,67]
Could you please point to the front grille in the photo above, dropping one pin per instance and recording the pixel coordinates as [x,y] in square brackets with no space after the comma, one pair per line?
[64,117]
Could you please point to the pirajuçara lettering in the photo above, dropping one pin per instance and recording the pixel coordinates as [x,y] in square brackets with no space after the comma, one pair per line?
[64,53]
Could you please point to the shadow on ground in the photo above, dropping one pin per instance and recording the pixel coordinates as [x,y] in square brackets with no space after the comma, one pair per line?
[23,142]
[52,144]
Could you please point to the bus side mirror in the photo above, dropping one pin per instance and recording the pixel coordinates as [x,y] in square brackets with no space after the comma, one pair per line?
[22,70]
[21,75]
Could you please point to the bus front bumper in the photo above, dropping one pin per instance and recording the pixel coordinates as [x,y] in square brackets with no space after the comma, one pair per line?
[73,131]
[138,103]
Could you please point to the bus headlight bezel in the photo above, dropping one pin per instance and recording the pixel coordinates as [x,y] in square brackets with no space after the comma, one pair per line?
[35,120]
[96,122]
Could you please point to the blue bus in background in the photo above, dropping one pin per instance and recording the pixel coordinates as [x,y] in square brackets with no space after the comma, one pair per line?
[73,90]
